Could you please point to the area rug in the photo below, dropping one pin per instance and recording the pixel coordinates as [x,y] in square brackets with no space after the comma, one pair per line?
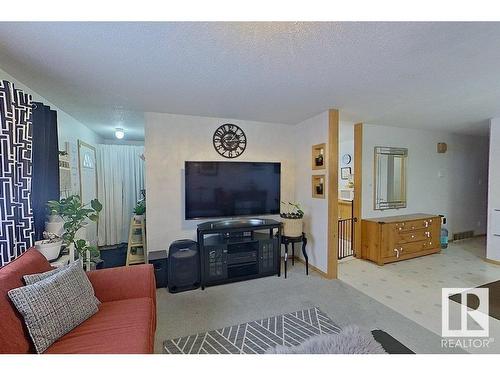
[494,299]
[256,337]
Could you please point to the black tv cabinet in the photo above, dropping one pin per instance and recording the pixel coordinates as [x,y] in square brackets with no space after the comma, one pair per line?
[235,250]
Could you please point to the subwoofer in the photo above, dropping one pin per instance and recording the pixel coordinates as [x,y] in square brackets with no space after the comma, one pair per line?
[183,266]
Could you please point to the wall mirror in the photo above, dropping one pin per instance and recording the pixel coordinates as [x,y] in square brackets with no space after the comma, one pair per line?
[87,165]
[390,177]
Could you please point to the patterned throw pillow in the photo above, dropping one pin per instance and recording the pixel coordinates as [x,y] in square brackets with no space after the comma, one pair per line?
[55,305]
[36,277]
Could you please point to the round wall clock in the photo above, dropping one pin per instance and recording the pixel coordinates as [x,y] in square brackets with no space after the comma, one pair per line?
[229,141]
[346,159]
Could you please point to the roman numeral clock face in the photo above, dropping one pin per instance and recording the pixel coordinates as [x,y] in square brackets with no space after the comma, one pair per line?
[229,141]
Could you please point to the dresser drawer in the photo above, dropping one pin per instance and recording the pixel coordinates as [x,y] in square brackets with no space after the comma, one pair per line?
[408,226]
[411,236]
[402,250]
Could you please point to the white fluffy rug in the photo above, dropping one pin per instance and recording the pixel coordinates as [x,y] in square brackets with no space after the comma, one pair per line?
[348,341]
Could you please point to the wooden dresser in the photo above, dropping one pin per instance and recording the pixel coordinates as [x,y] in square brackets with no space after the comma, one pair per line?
[394,238]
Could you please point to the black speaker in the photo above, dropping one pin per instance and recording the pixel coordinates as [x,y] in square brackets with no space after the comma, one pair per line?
[183,266]
[159,261]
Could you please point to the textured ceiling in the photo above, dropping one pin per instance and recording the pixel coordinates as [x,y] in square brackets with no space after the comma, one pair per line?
[424,75]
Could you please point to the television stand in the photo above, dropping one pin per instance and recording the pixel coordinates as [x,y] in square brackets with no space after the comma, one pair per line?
[240,249]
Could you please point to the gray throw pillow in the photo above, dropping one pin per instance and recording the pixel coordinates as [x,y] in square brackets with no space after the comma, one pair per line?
[55,305]
[36,277]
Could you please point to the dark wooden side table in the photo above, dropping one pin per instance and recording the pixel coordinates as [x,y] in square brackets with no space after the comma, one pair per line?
[285,240]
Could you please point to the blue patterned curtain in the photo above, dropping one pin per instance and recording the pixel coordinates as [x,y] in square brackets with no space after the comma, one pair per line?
[16,214]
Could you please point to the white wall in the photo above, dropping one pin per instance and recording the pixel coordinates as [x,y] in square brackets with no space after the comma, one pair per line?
[170,140]
[306,134]
[453,184]
[69,129]
[493,242]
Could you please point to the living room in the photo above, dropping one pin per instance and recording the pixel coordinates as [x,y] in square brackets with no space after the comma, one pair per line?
[249,188]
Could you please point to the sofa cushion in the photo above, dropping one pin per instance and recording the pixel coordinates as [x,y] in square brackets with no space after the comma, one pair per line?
[124,326]
[55,305]
[36,277]
[14,337]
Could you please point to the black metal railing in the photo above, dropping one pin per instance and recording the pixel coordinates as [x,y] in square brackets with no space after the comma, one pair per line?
[346,237]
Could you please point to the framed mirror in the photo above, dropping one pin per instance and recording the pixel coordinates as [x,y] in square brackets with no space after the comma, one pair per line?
[87,166]
[390,177]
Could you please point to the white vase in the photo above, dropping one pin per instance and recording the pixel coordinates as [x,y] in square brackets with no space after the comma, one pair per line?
[55,224]
[292,227]
[49,250]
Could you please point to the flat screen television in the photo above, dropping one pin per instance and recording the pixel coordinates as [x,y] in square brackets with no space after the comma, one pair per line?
[227,189]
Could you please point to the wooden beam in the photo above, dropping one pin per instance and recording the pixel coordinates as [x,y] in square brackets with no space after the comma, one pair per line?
[333,192]
[358,177]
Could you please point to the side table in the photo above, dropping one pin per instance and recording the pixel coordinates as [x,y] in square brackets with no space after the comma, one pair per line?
[285,240]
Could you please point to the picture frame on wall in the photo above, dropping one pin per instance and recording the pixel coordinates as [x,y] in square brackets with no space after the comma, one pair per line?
[345,173]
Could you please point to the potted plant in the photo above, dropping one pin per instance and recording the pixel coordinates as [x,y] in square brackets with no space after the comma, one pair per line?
[139,211]
[75,216]
[50,246]
[292,219]
[54,223]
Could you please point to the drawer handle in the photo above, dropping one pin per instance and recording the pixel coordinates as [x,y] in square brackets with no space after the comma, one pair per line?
[397,252]
[428,234]
[412,236]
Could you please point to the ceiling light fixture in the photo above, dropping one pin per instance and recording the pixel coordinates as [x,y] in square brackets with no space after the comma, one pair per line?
[119,133]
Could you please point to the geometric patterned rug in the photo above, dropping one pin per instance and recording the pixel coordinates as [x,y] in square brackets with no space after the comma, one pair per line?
[255,337]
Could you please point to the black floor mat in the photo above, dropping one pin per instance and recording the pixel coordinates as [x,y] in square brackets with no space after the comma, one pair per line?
[389,343]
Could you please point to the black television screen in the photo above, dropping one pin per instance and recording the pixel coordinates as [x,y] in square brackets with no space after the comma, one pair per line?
[224,189]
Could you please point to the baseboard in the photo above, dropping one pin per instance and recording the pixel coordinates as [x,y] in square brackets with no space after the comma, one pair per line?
[311,267]
[474,236]
[496,262]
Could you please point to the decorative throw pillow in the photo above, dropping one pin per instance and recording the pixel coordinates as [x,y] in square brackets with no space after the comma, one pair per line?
[36,277]
[55,305]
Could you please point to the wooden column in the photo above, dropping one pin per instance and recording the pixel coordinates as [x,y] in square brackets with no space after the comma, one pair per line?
[358,177]
[333,192]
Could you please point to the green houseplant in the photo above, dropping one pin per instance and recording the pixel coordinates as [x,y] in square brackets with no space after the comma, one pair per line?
[139,211]
[75,214]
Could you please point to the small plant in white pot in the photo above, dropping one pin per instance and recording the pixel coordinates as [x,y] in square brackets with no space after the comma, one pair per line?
[293,218]
[139,211]
[50,246]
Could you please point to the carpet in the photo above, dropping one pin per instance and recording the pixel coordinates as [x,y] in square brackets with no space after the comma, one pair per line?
[256,337]
[494,299]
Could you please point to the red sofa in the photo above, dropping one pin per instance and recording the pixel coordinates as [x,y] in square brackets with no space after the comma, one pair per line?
[125,323]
